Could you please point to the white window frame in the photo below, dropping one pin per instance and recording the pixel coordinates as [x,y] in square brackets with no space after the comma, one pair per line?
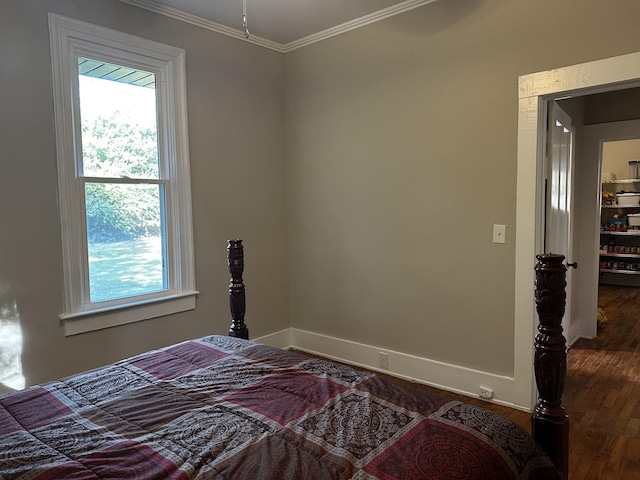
[71,39]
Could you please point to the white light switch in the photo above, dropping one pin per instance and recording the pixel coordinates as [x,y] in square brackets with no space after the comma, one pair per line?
[499,233]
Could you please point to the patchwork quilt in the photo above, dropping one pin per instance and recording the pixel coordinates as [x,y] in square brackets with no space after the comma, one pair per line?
[225,408]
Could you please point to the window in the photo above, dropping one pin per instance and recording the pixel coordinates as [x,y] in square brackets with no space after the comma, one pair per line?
[123,174]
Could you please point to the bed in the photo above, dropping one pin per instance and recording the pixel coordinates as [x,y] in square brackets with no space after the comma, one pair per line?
[223,407]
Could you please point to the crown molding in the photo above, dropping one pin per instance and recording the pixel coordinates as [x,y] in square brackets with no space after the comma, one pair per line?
[154,6]
[356,23]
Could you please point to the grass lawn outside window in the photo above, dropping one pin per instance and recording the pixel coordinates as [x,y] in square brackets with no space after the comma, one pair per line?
[125,269]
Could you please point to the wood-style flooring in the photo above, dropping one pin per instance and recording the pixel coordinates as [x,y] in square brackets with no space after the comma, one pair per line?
[602,395]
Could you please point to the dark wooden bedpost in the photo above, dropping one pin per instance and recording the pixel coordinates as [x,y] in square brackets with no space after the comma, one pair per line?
[235,259]
[550,422]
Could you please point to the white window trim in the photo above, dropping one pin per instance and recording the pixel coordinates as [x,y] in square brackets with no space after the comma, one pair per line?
[71,38]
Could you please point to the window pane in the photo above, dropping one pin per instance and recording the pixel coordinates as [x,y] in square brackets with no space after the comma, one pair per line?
[119,121]
[125,240]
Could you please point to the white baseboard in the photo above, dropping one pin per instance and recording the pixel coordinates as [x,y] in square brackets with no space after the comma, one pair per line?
[281,339]
[453,378]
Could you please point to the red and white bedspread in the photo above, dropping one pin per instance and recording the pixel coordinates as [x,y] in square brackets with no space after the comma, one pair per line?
[224,408]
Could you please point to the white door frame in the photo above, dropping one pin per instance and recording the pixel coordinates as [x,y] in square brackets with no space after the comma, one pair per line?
[534,91]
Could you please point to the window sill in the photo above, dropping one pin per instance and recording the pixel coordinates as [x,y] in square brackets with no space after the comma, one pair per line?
[99,319]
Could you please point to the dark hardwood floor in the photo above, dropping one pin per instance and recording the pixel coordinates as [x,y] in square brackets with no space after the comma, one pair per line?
[602,395]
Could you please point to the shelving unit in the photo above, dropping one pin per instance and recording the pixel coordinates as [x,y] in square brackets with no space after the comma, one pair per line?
[619,250]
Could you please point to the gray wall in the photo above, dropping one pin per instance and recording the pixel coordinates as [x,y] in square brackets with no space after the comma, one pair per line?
[401,155]
[236,120]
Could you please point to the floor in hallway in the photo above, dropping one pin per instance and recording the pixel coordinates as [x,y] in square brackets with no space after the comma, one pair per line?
[602,394]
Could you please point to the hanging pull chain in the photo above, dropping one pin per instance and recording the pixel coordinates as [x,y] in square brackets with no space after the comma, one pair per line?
[244,19]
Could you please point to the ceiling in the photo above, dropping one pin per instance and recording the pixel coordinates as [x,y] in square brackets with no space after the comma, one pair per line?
[281,24]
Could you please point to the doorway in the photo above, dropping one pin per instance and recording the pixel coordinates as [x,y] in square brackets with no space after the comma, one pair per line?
[610,146]
[536,90]
[620,212]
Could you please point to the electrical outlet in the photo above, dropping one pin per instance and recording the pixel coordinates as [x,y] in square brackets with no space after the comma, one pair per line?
[384,359]
[486,393]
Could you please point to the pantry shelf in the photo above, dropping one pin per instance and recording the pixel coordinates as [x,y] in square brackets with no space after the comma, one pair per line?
[619,255]
[628,233]
[622,272]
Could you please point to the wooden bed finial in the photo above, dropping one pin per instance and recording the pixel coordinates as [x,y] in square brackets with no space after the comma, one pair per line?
[550,422]
[235,259]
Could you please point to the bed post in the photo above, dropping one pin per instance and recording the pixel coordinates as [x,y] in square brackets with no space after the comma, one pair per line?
[235,259]
[550,422]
